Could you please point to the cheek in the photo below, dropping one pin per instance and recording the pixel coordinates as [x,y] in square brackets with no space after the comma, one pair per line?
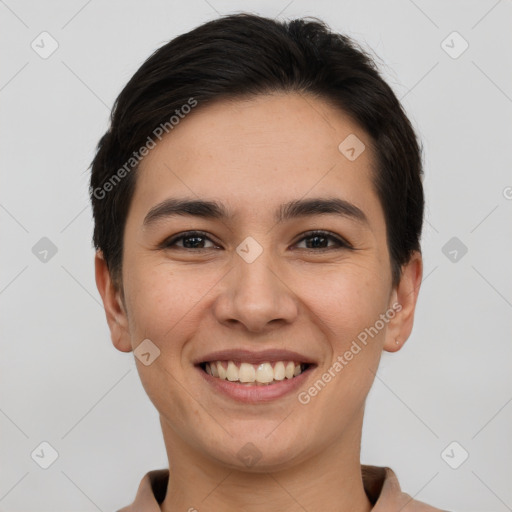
[348,311]
[164,302]
[153,304]
[159,303]
[347,300]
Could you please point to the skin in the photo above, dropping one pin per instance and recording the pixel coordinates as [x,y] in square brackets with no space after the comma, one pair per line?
[252,156]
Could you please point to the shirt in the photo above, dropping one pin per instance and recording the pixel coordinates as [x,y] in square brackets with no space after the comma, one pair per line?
[380,484]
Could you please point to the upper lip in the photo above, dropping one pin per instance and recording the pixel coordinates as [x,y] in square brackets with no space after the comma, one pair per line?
[254,357]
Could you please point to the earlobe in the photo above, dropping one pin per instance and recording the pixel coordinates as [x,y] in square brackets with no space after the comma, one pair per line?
[114,309]
[405,295]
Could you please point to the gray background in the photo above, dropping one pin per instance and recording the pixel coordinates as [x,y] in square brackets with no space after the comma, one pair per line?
[63,382]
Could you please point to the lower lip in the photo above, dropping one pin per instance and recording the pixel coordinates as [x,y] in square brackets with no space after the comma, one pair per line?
[256,393]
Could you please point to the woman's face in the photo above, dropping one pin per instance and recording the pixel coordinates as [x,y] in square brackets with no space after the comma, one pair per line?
[255,287]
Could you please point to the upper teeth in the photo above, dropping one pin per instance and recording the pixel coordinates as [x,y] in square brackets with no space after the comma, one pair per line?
[263,373]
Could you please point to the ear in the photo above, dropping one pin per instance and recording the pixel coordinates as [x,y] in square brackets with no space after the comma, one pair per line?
[114,308]
[403,302]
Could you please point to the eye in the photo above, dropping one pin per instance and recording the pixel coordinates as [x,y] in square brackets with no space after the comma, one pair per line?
[190,240]
[197,240]
[319,240]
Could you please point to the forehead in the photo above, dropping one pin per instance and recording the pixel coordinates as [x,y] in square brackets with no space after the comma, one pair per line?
[250,152]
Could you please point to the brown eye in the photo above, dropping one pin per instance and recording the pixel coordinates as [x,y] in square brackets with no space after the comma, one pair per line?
[189,241]
[320,240]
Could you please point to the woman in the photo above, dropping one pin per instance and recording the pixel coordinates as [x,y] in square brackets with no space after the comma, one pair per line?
[258,208]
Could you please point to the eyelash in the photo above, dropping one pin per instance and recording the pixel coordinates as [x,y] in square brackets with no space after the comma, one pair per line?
[341,243]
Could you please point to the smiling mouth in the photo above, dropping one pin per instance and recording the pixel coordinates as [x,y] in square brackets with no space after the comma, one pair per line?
[261,374]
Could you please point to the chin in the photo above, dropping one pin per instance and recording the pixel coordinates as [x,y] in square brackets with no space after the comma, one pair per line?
[260,453]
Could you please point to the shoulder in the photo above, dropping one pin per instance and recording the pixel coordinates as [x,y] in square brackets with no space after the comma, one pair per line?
[383,489]
[151,492]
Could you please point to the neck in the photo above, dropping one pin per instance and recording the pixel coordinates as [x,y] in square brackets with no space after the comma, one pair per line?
[329,480]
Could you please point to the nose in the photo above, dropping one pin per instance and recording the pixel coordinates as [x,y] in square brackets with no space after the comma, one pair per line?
[256,296]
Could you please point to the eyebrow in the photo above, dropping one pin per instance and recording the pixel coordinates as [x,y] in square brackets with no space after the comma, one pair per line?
[214,210]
